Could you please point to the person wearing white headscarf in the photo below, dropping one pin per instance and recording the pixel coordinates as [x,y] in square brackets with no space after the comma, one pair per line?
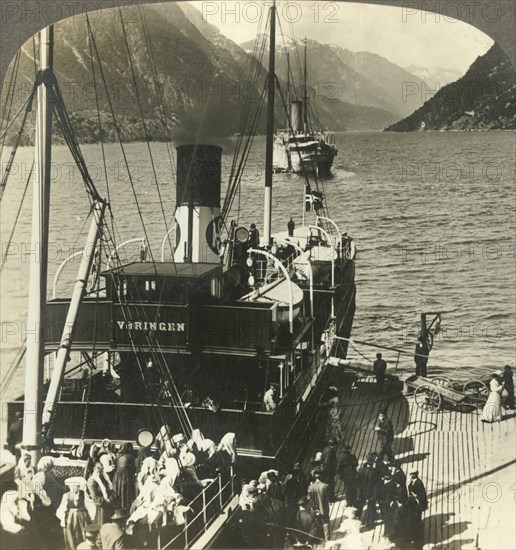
[24,472]
[45,484]
[164,499]
[164,440]
[227,446]
[99,490]
[224,456]
[492,411]
[203,448]
[72,513]
[144,502]
[148,470]
[248,498]
[107,457]
[49,493]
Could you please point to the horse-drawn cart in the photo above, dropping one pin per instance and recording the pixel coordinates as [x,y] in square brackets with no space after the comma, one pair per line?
[431,394]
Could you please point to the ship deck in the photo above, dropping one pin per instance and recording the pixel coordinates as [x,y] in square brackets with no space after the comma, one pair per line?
[468,469]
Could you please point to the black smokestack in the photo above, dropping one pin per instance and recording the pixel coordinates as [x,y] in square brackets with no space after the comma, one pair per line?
[198,175]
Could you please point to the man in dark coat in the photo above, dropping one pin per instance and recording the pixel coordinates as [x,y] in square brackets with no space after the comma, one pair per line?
[399,480]
[270,511]
[254,237]
[380,367]
[413,522]
[318,496]
[112,536]
[347,470]
[419,356]
[417,489]
[304,525]
[385,485]
[508,384]
[275,489]
[368,483]
[329,463]
[294,487]
[394,524]
[15,435]
[385,432]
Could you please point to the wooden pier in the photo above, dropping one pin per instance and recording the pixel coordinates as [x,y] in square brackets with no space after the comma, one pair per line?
[468,467]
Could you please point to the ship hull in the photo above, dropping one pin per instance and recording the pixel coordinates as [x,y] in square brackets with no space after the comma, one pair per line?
[261,435]
[306,154]
[319,159]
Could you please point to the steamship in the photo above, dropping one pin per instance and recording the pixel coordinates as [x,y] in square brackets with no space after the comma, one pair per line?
[299,148]
[189,342]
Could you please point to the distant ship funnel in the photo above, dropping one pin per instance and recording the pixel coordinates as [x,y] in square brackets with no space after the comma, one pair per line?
[198,203]
[296,115]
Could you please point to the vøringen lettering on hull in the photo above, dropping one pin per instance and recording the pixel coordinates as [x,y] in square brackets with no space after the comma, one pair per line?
[148,326]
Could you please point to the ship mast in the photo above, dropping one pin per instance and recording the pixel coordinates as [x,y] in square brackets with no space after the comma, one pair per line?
[35,354]
[305,98]
[288,89]
[270,129]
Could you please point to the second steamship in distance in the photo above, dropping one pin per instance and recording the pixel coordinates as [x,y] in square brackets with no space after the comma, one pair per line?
[301,147]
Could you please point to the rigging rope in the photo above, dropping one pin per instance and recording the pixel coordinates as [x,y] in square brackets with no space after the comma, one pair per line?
[160,101]
[144,125]
[9,375]
[158,89]
[119,135]
[7,248]
[6,111]
[255,69]
[65,124]
[28,109]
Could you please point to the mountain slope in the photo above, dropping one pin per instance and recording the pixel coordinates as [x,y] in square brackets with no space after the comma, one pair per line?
[435,77]
[359,78]
[483,99]
[198,80]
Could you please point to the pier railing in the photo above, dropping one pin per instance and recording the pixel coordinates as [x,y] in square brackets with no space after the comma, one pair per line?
[207,506]
[398,351]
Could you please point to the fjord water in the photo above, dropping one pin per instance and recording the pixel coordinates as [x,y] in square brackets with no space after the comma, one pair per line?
[432,216]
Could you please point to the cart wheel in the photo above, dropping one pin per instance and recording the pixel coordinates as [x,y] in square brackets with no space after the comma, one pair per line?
[427,398]
[476,392]
[442,381]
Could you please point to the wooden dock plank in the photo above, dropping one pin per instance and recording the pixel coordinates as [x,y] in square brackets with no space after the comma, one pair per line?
[449,448]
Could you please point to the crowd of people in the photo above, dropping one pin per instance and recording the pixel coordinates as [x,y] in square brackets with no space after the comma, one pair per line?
[275,507]
[123,499]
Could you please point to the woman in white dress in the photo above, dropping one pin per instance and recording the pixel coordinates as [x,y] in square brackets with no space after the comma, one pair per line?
[493,408]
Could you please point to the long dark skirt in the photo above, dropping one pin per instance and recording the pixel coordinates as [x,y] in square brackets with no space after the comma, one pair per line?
[74,534]
[123,485]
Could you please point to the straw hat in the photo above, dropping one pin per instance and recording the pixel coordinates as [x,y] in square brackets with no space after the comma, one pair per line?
[119,514]
[92,529]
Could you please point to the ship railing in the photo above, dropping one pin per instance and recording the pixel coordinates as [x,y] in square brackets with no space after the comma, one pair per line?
[207,506]
[266,273]
[341,241]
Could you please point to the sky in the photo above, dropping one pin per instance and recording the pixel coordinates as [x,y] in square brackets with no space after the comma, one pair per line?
[403,36]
